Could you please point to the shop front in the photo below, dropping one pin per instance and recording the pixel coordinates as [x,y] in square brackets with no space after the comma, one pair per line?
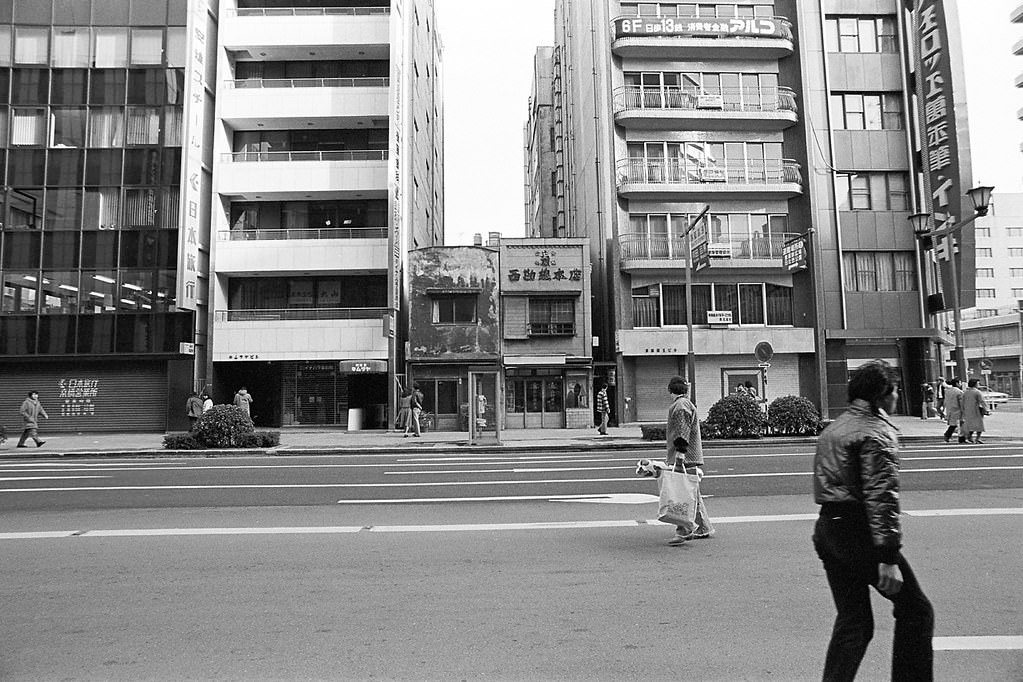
[89,397]
[350,394]
[547,397]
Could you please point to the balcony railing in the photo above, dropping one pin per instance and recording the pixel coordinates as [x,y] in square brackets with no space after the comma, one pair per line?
[740,247]
[303,233]
[630,98]
[257,83]
[685,172]
[307,11]
[273,315]
[552,328]
[351,155]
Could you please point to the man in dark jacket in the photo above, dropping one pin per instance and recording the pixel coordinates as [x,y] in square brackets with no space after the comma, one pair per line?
[858,534]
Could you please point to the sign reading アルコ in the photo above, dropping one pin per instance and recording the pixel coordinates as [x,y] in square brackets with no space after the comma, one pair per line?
[696,27]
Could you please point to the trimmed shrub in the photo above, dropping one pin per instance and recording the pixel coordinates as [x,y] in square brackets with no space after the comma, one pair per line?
[792,415]
[259,439]
[654,431]
[221,425]
[734,416]
[181,441]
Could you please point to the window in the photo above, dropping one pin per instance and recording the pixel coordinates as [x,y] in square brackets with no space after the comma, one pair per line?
[70,47]
[1012,252]
[879,271]
[1016,272]
[858,111]
[985,293]
[987,312]
[860,34]
[551,317]
[985,272]
[750,304]
[982,231]
[31,45]
[1009,231]
[872,192]
[454,309]
[1017,293]
[984,253]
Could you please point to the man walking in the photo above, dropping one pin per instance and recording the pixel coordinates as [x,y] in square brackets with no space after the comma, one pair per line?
[858,533]
[193,408]
[603,409]
[31,410]
[954,410]
[685,453]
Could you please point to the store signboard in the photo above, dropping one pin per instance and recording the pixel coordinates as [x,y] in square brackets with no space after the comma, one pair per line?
[694,27]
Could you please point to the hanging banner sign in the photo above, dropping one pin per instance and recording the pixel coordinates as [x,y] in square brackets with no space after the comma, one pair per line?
[939,141]
[700,28]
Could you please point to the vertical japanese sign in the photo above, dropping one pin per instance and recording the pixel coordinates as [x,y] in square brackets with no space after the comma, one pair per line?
[939,143]
[192,170]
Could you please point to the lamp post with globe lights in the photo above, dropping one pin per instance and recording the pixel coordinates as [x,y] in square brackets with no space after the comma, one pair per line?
[924,229]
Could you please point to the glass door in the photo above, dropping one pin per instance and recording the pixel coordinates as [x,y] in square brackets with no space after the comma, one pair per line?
[484,410]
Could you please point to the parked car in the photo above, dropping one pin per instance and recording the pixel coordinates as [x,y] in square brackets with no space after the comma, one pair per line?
[993,398]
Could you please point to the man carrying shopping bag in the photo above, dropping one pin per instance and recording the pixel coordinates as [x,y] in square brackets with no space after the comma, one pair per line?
[685,455]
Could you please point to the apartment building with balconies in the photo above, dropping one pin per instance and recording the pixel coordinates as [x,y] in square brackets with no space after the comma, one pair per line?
[104,224]
[789,122]
[544,183]
[328,170]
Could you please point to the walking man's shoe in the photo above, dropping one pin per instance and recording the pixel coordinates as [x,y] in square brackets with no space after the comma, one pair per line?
[40,443]
[677,540]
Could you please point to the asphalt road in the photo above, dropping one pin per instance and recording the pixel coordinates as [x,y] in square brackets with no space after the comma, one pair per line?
[449,475]
[533,590]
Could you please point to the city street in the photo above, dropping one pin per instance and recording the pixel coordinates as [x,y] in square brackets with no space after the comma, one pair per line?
[250,569]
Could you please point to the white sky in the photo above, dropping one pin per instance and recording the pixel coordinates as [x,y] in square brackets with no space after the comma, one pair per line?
[488,72]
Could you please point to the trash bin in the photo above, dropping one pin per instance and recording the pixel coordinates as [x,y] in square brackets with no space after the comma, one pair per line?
[355,419]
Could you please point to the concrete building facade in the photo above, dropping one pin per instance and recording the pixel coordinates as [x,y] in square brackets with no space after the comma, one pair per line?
[328,145]
[791,122]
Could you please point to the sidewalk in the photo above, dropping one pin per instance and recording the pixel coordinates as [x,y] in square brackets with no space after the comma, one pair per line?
[1002,426]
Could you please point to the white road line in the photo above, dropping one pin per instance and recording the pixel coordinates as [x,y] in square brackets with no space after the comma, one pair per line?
[460,527]
[978,643]
[49,478]
[966,512]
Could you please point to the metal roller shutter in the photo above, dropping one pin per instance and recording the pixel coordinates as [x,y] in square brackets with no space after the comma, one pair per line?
[88,397]
[652,376]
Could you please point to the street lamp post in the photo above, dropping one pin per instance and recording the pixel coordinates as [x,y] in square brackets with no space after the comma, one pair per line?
[923,227]
[690,352]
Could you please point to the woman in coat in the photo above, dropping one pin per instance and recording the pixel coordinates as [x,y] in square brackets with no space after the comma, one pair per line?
[953,405]
[974,410]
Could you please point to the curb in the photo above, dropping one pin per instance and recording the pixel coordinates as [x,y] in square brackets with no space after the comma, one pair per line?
[602,446]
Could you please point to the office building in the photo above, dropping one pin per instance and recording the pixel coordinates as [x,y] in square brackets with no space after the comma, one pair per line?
[104,233]
[328,170]
[790,123]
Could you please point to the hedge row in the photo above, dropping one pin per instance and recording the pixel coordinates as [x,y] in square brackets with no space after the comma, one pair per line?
[740,416]
[222,427]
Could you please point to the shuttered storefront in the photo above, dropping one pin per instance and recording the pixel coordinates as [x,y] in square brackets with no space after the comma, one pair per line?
[90,397]
[652,376]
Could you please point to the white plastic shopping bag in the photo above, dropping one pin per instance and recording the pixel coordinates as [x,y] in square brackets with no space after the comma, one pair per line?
[677,505]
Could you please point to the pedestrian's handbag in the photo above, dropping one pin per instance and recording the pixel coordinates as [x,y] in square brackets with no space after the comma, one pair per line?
[678,499]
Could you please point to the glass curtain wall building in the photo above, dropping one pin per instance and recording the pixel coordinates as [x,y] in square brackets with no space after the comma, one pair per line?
[93,113]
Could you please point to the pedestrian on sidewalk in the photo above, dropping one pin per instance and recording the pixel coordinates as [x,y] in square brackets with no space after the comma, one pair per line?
[858,534]
[974,410]
[685,453]
[928,404]
[404,410]
[243,400]
[415,410]
[939,398]
[31,410]
[207,402]
[193,408]
[954,410]
[603,409]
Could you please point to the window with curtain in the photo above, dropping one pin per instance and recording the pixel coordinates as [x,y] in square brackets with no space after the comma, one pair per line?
[751,304]
[146,46]
[172,127]
[70,47]
[31,45]
[142,126]
[140,207]
[102,209]
[779,304]
[726,297]
[905,270]
[176,46]
[551,316]
[879,271]
[169,206]
[110,47]
[106,127]
[5,45]
[28,127]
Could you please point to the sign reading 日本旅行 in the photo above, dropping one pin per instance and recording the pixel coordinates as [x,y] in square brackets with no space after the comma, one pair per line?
[697,27]
[939,140]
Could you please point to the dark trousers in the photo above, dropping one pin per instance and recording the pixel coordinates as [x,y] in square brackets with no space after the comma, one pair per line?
[29,433]
[952,429]
[844,544]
